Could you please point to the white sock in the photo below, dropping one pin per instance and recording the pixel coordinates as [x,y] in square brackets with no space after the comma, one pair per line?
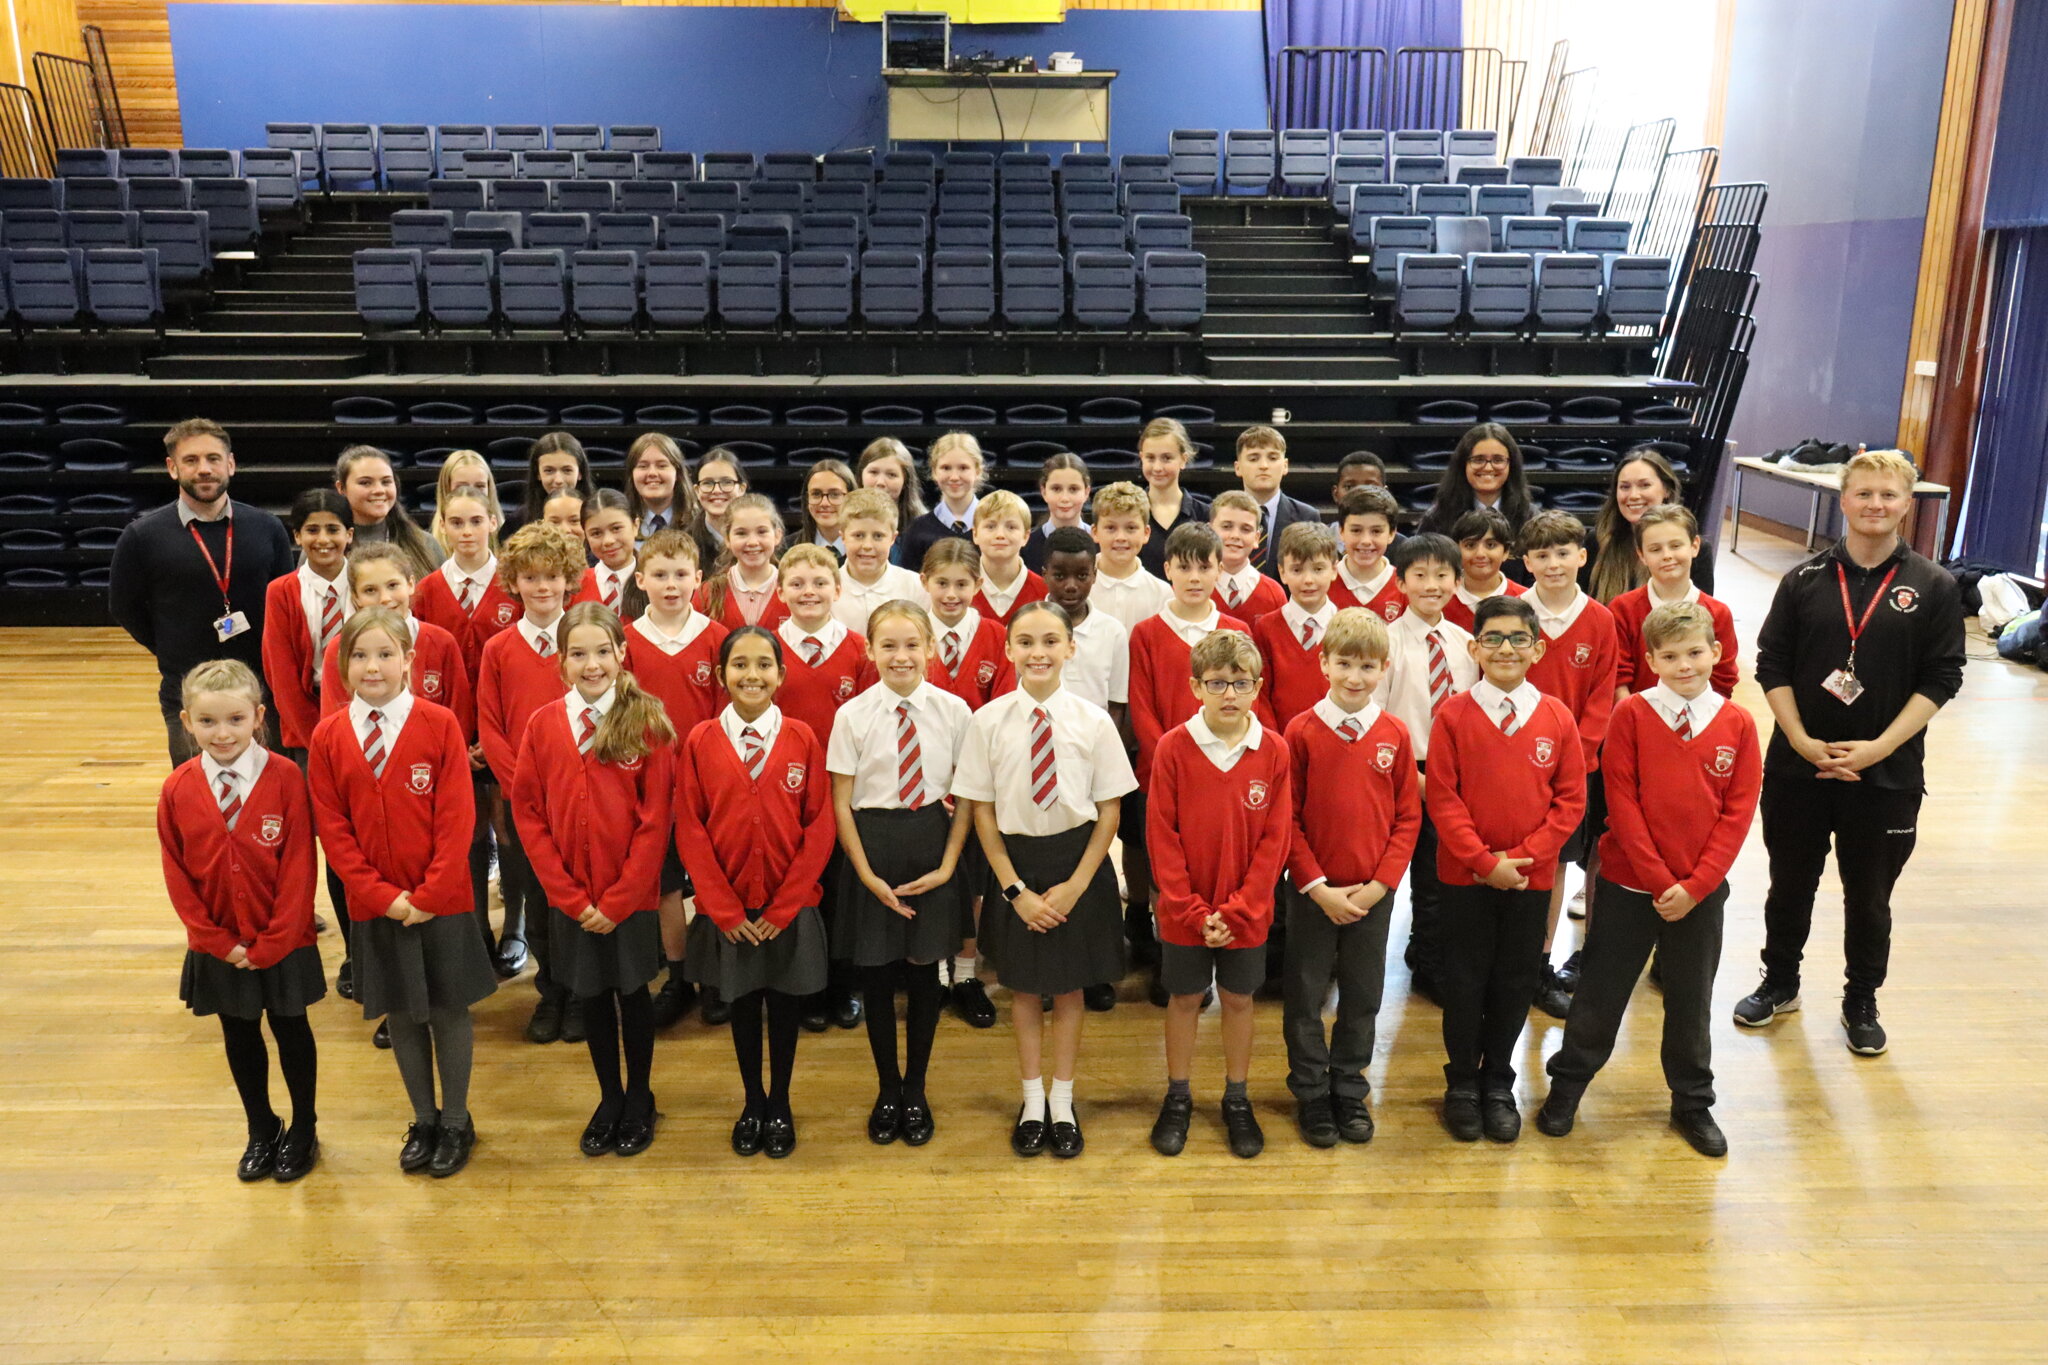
[1034,1100]
[1060,1105]
[963,969]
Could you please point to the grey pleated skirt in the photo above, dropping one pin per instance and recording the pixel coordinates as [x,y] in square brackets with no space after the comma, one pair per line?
[590,964]
[794,962]
[210,986]
[410,972]
[1087,950]
[902,845]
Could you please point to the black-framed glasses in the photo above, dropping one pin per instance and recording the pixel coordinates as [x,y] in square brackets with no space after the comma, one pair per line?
[718,485]
[1216,687]
[826,495]
[1521,639]
[1487,461]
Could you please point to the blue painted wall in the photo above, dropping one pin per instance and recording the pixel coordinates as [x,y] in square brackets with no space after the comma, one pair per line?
[1836,103]
[734,79]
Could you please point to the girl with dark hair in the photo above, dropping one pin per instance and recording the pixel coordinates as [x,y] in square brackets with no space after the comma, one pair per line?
[1485,471]
[658,484]
[820,521]
[556,464]
[364,475]
[1644,479]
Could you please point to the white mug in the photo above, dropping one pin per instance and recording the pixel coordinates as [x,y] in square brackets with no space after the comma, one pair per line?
[1281,417]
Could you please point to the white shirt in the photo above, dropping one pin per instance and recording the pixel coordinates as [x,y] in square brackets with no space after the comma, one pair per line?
[962,525]
[695,624]
[1404,690]
[1100,671]
[247,767]
[483,578]
[1088,754]
[1296,618]
[1002,599]
[1691,594]
[186,516]
[1365,589]
[1333,715]
[768,725]
[1525,699]
[651,522]
[858,600]
[829,637]
[1555,624]
[395,713]
[863,743]
[1192,632]
[534,634]
[1236,588]
[1130,599]
[1670,706]
[1223,753]
[605,578]
[313,590]
[962,632]
[837,547]
[1473,599]
[574,704]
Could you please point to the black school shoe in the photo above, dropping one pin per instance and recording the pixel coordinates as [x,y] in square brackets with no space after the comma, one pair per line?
[885,1120]
[1170,1129]
[418,1151]
[1498,1117]
[1028,1137]
[381,1039]
[259,1158]
[345,980]
[511,957]
[1461,1113]
[675,999]
[817,1012]
[297,1154]
[1568,975]
[1247,1140]
[1698,1128]
[1859,1022]
[1066,1138]
[970,1001]
[1551,996]
[636,1126]
[1559,1112]
[1766,1003]
[451,1153]
[1099,999]
[546,1024]
[1354,1120]
[601,1134]
[917,1126]
[748,1133]
[778,1136]
[574,1027]
[846,1007]
[1316,1116]
[715,1010]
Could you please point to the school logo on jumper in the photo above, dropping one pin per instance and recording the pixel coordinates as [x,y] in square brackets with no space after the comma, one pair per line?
[1394,610]
[793,779]
[430,683]
[504,613]
[422,780]
[1383,757]
[845,688]
[1255,796]
[1724,761]
[631,765]
[1905,599]
[1546,749]
[1582,655]
[703,675]
[271,830]
[986,674]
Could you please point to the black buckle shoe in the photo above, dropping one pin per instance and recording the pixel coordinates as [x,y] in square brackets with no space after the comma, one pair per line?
[778,1137]
[917,1126]
[885,1120]
[971,1003]
[1028,1137]
[1698,1128]
[748,1133]
[1461,1113]
[420,1141]
[636,1127]
[511,958]
[1559,1112]
[451,1153]
[297,1154]
[259,1158]
[1354,1120]
[601,1134]
[1499,1117]
[1247,1139]
[674,1000]
[1170,1129]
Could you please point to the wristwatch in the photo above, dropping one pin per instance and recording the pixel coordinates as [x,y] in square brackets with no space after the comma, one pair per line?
[1014,890]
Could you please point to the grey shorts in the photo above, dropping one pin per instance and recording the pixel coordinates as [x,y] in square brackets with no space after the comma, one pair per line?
[1188,971]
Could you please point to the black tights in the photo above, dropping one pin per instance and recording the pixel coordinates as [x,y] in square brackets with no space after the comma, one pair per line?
[923,997]
[249,1063]
[615,1018]
[785,1014]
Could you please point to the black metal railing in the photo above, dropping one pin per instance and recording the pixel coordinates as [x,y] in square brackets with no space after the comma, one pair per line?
[1328,87]
[71,102]
[108,91]
[1546,102]
[1456,87]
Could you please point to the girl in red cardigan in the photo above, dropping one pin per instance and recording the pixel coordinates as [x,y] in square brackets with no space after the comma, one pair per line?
[591,792]
[754,825]
[391,798]
[303,610]
[608,531]
[237,838]
[743,587]
[380,575]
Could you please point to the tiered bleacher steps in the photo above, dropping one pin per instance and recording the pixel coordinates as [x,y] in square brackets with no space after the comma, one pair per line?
[289,315]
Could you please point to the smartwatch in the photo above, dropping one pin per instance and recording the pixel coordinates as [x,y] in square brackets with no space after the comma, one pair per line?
[1014,890]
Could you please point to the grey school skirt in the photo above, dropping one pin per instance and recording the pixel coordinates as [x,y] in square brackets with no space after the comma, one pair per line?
[794,962]
[590,964]
[1087,950]
[902,845]
[210,986]
[410,972]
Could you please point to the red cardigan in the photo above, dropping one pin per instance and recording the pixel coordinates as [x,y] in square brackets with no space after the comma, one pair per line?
[1677,810]
[1294,672]
[433,601]
[250,886]
[1578,668]
[686,681]
[1521,794]
[754,845]
[1357,806]
[772,615]
[1632,667]
[814,695]
[514,683]
[596,833]
[1265,598]
[985,669]
[1032,591]
[406,833]
[1456,612]
[438,676]
[1160,697]
[1218,841]
[1387,604]
[288,658]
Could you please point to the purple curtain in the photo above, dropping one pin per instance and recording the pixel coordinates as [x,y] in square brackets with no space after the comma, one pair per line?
[1330,91]
[2009,467]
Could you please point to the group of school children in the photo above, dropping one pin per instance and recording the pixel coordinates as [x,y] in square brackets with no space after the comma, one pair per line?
[871,776]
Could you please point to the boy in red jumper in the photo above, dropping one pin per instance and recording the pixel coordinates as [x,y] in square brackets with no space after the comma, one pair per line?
[1507,786]
[1667,541]
[1683,776]
[1290,640]
[1350,846]
[1366,577]
[1241,590]
[1483,537]
[519,674]
[1577,668]
[1218,828]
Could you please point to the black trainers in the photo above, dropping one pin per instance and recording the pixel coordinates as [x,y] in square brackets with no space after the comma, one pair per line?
[1698,1128]
[1766,1003]
[1551,996]
[1461,1113]
[1498,1116]
[1859,1021]
[1247,1140]
[1170,1129]
[1316,1116]
[1354,1120]
[1560,1110]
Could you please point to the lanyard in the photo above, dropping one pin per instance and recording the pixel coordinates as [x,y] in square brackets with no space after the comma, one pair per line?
[221,575]
[1856,624]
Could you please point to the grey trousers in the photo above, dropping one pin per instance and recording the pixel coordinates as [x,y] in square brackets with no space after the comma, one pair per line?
[1355,957]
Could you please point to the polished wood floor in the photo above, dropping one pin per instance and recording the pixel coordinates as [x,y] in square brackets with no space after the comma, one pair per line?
[1889,1209]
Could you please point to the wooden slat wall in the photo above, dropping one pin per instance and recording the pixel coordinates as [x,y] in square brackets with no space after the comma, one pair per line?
[1944,202]
[139,49]
[40,26]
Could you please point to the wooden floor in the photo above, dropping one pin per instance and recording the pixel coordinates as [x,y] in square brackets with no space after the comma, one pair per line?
[1888,1209]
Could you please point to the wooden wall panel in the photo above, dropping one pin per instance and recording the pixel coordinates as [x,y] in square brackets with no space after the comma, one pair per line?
[139,49]
[39,26]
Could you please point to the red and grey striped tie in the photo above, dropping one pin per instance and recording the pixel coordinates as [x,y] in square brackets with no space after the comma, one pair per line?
[1684,727]
[1308,633]
[1509,721]
[1351,730]
[330,617]
[752,753]
[1045,778]
[950,652]
[909,760]
[814,650]
[373,745]
[230,803]
[468,599]
[611,592]
[1439,673]
[588,733]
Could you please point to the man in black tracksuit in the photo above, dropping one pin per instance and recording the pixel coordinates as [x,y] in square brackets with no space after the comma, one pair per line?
[1863,644]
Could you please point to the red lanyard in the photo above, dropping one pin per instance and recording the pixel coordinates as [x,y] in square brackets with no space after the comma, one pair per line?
[220,575]
[1849,616]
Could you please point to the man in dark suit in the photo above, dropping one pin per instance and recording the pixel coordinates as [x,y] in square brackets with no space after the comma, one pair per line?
[1261,466]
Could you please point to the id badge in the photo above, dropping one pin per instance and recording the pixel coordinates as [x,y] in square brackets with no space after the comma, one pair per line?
[1843,686]
[229,626]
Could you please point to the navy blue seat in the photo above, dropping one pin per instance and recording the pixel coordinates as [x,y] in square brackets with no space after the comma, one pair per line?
[693,232]
[406,151]
[790,197]
[1567,296]
[458,196]
[1176,288]
[23,192]
[121,287]
[678,290]
[47,284]
[149,161]
[1030,232]
[576,137]
[557,231]
[821,288]
[274,173]
[974,231]
[178,236]
[461,286]
[1162,232]
[1538,233]
[676,167]
[159,192]
[1599,236]
[1347,172]
[710,196]
[964,286]
[1305,159]
[86,161]
[657,197]
[1394,237]
[1105,288]
[230,207]
[521,196]
[494,231]
[40,229]
[736,167]
[1498,203]
[831,232]
[388,286]
[1095,232]
[1151,196]
[1250,159]
[1087,196]
[971,196]
[458,140]
[892,287]
[1024,168]
[88,231]
[842,196]
[1477,173]
[854,166]
[533,290]
[1536,170]
[1419,170]
[761,232]
[1025,196]
[1194,156]
[519,137]
[1078,168]
[1634,295]
[905,196]
[605,288]
[638,233]
[1034,287]
[585,196]
[607,165]
[422,229]
[1499,289]
[750,288]
[634,137]
[899,231]
[348,154]
[486,163]
[1429,290]
[914,166]
[1443,201]
[968,167]
[95,193]
[789,168]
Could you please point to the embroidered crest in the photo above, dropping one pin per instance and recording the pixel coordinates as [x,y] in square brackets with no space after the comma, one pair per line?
[1582,655]
[703,675]
[1255,796]
[422,779]
[631,765]
[793,779]
[1383,757]
[1905,599]
[986,674]
[1724,761]
[271,830]
[430,683]
[845,688]
[1394,609]
[504,613]
[1546,749]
